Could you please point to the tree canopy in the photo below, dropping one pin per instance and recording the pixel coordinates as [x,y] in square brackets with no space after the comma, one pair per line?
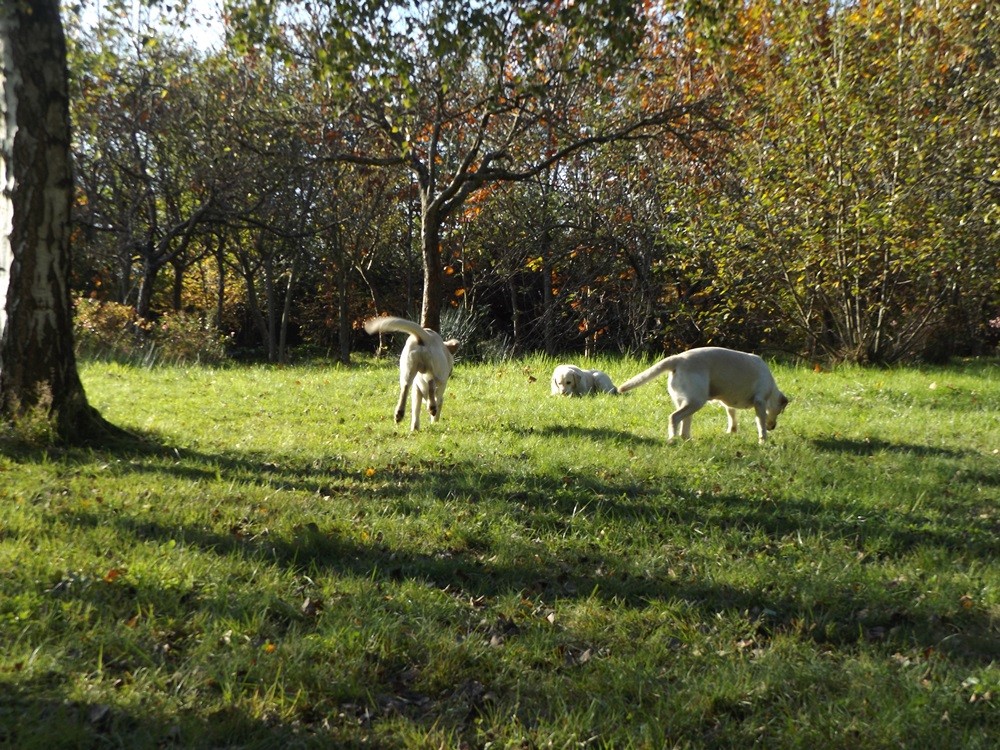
[566,176]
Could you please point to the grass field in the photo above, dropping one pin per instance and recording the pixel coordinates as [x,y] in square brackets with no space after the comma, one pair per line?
[277,564]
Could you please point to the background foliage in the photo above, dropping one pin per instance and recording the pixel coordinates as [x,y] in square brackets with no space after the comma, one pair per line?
[825,183]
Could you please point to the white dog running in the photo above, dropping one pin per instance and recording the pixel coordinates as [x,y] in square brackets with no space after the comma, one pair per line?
[425,363]
[736,379]
[570,380]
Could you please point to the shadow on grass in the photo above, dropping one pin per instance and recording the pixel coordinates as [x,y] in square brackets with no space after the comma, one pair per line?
[473,570]
[833,607]
[548,503]
[41,714]
[870,447]
[620,501]
[591,433]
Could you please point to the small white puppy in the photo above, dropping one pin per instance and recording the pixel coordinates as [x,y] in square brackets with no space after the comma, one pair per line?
[570,380]
[425,363]
[736,379]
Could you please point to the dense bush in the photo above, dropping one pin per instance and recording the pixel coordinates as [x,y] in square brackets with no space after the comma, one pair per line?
[114,332]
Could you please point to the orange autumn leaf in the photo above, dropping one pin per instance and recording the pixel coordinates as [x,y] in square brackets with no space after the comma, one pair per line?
[113,575]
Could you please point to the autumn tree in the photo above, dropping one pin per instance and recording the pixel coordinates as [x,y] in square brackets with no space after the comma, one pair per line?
[465,95]
[861,195]
[147,144]
[361,249]
[37,364]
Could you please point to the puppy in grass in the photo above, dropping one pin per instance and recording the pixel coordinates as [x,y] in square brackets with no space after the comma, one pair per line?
[425,365]
[570,380]
[735,379]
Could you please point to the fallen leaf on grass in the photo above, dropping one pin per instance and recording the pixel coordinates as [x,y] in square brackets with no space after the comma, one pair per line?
[113,575]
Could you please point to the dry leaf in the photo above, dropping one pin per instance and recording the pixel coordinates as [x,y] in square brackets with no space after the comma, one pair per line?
[113,575]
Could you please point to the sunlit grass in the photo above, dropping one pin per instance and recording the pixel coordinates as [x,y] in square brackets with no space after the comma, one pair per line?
[274,562]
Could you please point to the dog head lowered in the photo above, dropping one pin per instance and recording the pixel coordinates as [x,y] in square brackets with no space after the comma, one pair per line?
[737,380]
[570,380]
[776,404]
[425,364]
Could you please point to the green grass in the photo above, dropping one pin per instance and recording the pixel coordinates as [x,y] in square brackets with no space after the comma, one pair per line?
[277,564]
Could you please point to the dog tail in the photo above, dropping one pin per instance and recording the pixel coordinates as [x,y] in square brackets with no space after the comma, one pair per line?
[398,325]
[664,365]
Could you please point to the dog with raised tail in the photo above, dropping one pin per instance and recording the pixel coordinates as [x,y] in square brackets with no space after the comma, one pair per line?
[425,364]
[735,379]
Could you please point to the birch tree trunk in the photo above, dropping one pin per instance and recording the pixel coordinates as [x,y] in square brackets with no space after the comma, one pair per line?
[37,364]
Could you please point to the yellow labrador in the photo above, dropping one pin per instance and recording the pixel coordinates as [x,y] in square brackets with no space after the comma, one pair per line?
[736,379]
[425,363]
[570,380]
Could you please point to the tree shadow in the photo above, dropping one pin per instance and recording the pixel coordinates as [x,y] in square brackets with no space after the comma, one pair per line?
[41,713]
[873,446]
[617,499]
[542,501]
[600,434]
[474,570]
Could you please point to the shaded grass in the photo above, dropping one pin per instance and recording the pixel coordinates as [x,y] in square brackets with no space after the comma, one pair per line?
[277,564]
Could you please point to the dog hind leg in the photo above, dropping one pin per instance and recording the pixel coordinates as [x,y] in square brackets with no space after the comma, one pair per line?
[432,401]
[418,401]
[731,415]
[404,388]
[689,392]
[680,420]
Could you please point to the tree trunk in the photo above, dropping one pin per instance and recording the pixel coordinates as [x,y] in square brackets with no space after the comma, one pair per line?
[430,244]
[515,314]
[37,363]
[271,320]
[343,314]
[144,302]
[220,289]
[253,304]
[177,297]
[286,310]
[548,298]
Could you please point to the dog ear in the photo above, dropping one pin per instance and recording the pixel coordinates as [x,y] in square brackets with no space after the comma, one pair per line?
[451,345]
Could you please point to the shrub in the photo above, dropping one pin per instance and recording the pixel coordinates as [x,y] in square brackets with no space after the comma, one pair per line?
[183,337]
[110,331]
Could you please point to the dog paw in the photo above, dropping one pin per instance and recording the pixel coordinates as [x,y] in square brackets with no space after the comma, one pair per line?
[399,416]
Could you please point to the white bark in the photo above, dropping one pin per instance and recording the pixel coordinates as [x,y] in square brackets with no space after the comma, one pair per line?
[10,80]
